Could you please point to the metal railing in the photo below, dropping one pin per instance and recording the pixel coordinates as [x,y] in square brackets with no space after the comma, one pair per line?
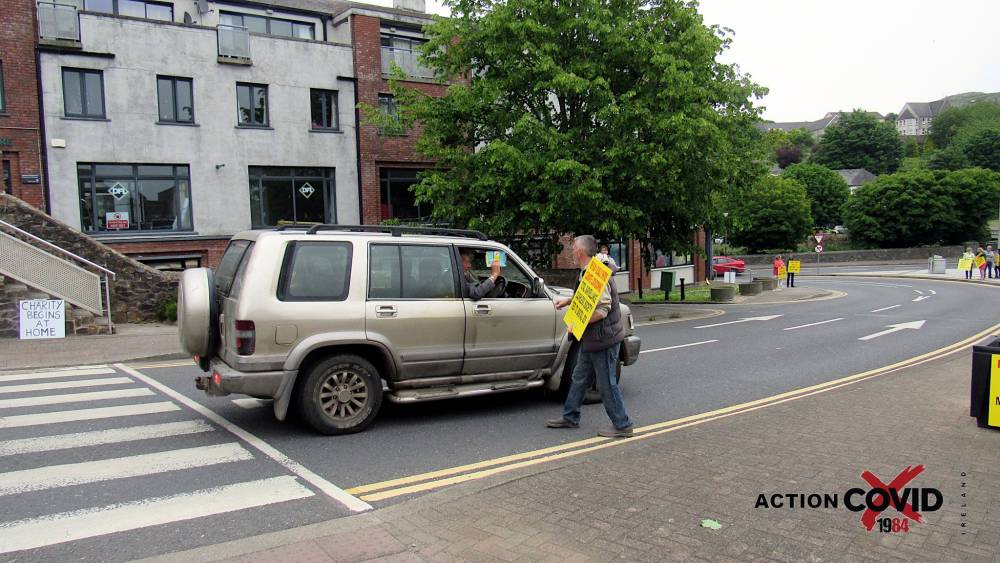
[234,41]
[407,60]
[58,21]
[84,284]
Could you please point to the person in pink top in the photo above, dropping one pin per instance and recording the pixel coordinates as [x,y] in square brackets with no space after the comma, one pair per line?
[778,264]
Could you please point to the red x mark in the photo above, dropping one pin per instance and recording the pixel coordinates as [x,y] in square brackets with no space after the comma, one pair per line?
[904,477]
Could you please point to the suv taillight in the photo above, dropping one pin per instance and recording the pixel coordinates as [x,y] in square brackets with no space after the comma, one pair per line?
[246,337]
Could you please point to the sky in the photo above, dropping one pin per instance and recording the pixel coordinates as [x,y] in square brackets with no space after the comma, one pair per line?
[817,56]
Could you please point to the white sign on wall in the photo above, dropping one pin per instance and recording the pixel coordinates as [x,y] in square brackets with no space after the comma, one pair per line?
[43,318]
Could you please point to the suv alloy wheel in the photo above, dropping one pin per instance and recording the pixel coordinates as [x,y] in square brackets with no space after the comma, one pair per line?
[340,395]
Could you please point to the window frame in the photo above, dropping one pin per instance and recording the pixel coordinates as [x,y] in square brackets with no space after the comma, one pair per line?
[82,72]
[174,80]
[396,130]
[134,196]
[329,190]
[267,105]
[288,260]
[335,95]
[388,192]
[457,287]
[115,10]
[267,24]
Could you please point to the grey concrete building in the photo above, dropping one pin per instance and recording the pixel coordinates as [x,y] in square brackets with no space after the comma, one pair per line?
[171,126]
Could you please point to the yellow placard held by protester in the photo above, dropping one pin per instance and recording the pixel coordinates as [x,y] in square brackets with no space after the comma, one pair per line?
[578,314]
[793,266]
[782,272]
[993,404]
[965,264]
[980,261]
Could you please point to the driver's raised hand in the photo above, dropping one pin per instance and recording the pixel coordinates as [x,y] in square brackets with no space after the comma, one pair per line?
[495,269]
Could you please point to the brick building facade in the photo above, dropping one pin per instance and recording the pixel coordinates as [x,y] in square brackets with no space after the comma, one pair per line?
[21,171]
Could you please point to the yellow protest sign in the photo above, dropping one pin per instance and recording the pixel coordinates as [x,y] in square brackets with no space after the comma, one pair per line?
[993,404]
[782,271]
[793,266]
[965,264]
[980,261]
[578,314]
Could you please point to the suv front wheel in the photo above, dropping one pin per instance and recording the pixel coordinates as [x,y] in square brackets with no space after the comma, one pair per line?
[340,395]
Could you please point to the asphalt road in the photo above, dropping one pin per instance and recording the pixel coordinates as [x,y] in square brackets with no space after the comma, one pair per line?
[283,474]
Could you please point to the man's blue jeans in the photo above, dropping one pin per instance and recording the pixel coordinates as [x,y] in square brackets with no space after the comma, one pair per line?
[600,366]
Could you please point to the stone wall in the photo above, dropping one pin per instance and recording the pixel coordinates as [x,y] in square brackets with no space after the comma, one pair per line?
[137,292]
[886,255]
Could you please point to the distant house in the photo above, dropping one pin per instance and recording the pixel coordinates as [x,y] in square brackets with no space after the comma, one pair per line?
[915,119]
[855,177]
[816,128]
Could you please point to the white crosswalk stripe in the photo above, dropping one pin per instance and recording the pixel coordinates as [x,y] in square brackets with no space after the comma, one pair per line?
[52,386]
[75,398]
[101,437]
[54,476]
[55,374]
[22,420]
[69,526]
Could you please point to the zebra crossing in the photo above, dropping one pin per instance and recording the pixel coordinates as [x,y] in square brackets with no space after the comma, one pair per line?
[73,439]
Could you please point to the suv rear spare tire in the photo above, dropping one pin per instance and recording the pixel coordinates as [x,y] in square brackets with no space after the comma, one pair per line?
[197,312]
[340,395]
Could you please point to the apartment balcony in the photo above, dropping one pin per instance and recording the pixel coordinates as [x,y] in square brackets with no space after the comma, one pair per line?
[234,45]
[406,60]
[59,25]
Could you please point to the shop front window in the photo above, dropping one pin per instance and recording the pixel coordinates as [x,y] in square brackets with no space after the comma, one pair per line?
[397,197]
[134,197]
[281,195]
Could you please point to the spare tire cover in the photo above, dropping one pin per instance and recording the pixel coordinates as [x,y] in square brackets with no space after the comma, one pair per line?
[197,312]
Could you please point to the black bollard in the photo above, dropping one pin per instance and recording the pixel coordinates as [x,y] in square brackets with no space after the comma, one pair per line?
[682,289]
[638,283]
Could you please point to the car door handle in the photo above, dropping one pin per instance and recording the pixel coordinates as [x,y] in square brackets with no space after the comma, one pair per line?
[385,311]
[482,309]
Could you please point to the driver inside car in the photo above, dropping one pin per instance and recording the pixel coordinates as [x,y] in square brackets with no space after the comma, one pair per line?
[477,289]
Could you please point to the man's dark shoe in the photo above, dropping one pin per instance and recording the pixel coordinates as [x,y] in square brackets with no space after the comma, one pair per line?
[612,432]
[561,423]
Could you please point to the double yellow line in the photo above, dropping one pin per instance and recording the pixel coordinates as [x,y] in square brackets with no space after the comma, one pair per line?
[473,471]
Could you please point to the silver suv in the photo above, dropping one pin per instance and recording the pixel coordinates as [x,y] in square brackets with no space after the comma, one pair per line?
[333,318]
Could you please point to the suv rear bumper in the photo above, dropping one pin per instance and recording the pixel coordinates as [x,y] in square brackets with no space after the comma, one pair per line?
[223,380]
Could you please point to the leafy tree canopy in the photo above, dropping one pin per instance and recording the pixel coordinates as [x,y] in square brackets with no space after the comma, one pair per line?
[956,123]
[923,207]
[982,149]
[860,140]
[610,117]
[827,191]
[774,215]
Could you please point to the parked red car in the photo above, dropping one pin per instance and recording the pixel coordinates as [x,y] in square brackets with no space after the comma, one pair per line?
[723,264]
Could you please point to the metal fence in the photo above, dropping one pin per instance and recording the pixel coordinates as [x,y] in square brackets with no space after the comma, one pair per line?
[58,21]
[407,60]
[234,41]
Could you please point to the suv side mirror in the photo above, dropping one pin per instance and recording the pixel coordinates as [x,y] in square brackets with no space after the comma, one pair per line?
[538,287]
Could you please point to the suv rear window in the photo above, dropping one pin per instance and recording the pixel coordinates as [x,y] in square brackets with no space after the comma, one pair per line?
[231,260]
[315,271]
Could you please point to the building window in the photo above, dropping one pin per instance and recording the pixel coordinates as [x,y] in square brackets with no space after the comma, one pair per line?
[134,197]
[3,97]
[162,11]
[618,251]
[401,45]
[387,105]
[397,198]
[176,98]
[281,195]
[83,93]
[251,100]
[324,109]
[269,26]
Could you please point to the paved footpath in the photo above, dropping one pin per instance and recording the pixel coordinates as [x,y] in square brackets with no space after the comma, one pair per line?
[645,499]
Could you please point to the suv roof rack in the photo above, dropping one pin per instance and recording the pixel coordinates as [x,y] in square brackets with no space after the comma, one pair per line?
[289,226]
[398,230]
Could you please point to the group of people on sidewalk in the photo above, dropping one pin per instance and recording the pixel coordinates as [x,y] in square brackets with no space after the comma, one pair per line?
[986,261]
[779,267]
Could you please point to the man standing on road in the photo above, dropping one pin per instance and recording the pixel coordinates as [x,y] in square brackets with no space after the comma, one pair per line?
[598,357]
[790,277]
[990,256]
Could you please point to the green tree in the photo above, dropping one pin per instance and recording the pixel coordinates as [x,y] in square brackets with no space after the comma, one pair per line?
[950,158]
[773,215]
[954,123]
[860,140]
[827,191]
[612,117]
[923,207]
[983,149]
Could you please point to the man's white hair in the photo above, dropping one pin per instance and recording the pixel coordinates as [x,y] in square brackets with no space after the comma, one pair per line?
[587,243]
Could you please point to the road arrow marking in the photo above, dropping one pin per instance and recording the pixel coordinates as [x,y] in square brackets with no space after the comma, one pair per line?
[921,298]
[767,318]
[886,308]
[915,325]
[814,324]
[678,346]
[933,292]
[918,291]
